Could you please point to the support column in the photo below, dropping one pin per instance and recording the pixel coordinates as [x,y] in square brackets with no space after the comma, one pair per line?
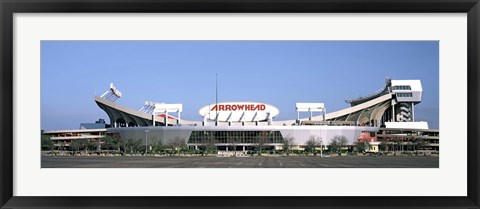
[153,118]
[383,119]
[413,112]
[204,121]
[242,118]
[166,118]
[324,114]
[393,113]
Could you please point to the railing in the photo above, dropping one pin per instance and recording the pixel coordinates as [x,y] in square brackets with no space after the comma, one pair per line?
[77,137]
[377,93]
[329,123]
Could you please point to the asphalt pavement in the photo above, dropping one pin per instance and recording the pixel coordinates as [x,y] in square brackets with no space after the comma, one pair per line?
[240,162]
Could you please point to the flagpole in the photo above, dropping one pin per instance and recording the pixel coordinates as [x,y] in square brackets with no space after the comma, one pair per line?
[216,99]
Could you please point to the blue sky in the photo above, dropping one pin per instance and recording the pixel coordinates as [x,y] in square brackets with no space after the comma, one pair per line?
[279,73]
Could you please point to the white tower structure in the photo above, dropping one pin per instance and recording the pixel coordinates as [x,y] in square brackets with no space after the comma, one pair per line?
[310,107]
[154,108]
[112,93]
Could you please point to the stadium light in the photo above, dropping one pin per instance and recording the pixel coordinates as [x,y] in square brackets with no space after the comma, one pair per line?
[146,142]
[321,147]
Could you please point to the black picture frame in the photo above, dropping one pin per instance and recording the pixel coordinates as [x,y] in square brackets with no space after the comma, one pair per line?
[10,7]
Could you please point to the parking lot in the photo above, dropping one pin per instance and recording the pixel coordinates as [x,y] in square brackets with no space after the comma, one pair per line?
[241,162]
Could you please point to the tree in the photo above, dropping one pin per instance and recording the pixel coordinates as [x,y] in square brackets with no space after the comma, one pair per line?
[233,140]
[75,146]
[46,143]
[79,144]
[333,146]
[312,143]
[62,147]
[261,140]
[363,146]
[337,143]
[90,145]
[342,141]
[383,146]
[210,145]
[177,144]
[399,144]
[288,141]
[420,144]
[133,145]
[121,145]
[110,143]
[157,145]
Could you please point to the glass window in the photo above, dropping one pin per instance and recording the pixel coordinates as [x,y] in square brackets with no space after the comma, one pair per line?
[402,88]
[404,95]
[235,136]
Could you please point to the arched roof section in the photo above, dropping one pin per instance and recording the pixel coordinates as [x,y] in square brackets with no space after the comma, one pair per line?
[384,90]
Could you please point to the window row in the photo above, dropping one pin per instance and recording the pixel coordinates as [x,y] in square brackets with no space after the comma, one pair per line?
[404,95]
[205,137]
[402,88]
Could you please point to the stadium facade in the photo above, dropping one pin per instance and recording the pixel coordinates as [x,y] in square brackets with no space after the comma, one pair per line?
[245,125]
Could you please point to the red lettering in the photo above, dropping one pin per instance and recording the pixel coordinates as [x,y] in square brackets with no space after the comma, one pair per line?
[262,107]
[239,107]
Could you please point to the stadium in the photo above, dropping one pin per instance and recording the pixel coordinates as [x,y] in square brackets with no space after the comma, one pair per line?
[386,115]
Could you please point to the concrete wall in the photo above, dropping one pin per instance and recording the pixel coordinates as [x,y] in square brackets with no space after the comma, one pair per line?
[301,134]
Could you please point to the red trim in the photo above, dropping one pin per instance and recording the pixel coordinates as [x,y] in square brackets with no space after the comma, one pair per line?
[163,116]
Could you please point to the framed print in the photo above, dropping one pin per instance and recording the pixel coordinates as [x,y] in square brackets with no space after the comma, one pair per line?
[241,104]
